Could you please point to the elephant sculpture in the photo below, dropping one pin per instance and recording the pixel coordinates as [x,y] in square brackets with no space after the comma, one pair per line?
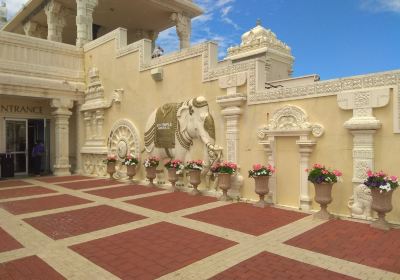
[171,129]
[360,202]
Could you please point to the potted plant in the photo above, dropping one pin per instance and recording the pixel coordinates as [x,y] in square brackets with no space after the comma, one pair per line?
[130,162]
[261,175]
[224,171]
[174,167]
[194,168]
[111,161]
[323,180]
[151,164]
[382,187]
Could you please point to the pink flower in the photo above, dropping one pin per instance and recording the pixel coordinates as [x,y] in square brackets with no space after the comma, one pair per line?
[307,170]
[393,178]
[370,173]
[257,167]
[316,165]
[325,171]
[337,173]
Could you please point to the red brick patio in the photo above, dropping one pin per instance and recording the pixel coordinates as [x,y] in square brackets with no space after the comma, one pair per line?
[247,218]
[147,245]
[268,266]
[13,183]
[171,202]
[57,179]
[151,251]
[354,242]
[41,204]
[129,190]
[28,268]
[71,223]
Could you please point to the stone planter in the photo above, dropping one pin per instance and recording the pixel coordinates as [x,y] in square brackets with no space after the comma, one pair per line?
[131,171]
[261,188]
[323,196]
[173,178]
[111,168]
[224,183]
[194,180]
[151,174]
[382,204]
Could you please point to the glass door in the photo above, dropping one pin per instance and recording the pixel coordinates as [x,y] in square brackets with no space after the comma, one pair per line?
[17,144]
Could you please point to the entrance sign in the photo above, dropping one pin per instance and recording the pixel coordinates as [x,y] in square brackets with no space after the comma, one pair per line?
[21,109]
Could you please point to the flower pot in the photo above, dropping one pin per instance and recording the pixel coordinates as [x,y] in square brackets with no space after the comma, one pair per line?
[151,174]
[131,171]
[261,188]
[195,180]
[224,183]
[382,204]
[323,196]
[173,178]
[111,168]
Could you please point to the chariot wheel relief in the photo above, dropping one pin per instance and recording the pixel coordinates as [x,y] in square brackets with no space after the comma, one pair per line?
[122,141]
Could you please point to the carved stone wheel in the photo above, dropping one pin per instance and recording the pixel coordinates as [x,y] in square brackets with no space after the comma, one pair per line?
[123,140]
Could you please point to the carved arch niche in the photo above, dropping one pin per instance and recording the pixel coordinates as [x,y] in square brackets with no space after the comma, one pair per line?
[291,121]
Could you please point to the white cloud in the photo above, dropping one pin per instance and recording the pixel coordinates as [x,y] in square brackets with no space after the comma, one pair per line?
[13,6]
[381,5]
[216,12]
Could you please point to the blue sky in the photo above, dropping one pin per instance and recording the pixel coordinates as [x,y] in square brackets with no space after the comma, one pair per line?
[331,38]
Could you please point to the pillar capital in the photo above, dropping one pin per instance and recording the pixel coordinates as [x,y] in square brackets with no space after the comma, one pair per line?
[84,21]
[34,29]
[183,28]
[56,21]
[62,106]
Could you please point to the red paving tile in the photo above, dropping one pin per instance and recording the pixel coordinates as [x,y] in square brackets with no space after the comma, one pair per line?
[171,202]
[7,242]
[57,179]
[71,223]
[13,183]
[27,269]
[152,251]
[11,193]
[89,184]
[265,266]
[247,218]
[352,241]
[117,192]
[41,204]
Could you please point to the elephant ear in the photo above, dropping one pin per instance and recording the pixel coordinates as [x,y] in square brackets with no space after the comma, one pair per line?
[183,116]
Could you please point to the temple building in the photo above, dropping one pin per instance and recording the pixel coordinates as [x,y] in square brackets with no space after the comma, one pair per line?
[80,77]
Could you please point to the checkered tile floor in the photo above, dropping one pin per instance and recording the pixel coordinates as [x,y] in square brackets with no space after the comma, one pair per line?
[77,227]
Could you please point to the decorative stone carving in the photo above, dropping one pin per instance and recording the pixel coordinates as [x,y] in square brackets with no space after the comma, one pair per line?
[360,203]
[34,29]
[292,118]
[61,115]
[55,13]
[231,110]
[84,21]
[93,165]
[183,28]
[291,121]
[257,38]
[123,141]
[232,82]
[363,126]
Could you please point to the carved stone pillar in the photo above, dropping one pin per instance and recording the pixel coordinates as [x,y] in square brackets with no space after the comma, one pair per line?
[87,116]
[362,126]
[55,13]
[269,148]
[305,150]
[84,21]
[99,124]
[231,110]
[183,29]
[61,115]
[34,29]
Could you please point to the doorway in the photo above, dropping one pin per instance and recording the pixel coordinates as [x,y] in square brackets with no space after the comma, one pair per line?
[21,137]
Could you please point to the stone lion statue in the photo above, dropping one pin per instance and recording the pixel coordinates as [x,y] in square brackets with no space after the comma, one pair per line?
[360,202]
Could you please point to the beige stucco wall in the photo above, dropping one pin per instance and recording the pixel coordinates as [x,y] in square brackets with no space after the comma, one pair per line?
[183,80]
